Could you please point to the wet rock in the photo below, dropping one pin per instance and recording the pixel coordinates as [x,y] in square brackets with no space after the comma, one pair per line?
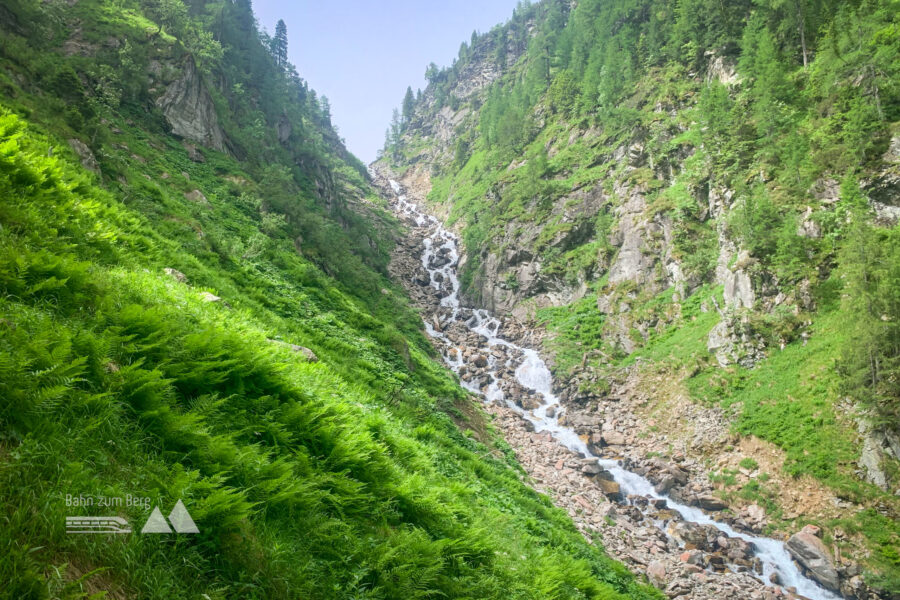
[666,483]
[591,468]
[812,554]
[695,536]
[528,402]
[610,489]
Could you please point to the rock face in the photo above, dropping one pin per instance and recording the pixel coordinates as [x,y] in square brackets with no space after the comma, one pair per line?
[84,153]
[190,111]
[877,445]
[812,554]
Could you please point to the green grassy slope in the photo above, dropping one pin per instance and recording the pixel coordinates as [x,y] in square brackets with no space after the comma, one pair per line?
[367,474]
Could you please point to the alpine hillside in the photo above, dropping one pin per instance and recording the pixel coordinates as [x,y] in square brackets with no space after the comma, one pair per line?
[196,312]
[693,207]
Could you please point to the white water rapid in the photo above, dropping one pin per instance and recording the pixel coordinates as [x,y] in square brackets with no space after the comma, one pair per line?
[534,375]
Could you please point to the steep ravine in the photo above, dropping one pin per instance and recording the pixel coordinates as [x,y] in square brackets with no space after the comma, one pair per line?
[680,548]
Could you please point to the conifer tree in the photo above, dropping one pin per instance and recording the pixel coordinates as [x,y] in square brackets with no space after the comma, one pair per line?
[409,105]
[280,44]
[396,131]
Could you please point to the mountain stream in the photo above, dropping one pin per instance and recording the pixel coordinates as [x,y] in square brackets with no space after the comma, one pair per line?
[440,260]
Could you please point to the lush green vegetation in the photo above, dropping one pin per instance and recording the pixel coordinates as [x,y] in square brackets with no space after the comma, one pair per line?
[367,474]
[757,106]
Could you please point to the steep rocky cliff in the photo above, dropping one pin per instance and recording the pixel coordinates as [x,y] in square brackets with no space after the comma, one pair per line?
[189,109]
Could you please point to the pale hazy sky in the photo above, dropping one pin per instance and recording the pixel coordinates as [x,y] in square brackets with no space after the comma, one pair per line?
[363,54]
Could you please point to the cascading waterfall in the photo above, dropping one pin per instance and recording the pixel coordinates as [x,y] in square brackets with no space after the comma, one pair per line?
[532,373]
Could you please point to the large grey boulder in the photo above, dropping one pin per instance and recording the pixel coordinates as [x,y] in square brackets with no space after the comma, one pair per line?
[812,554]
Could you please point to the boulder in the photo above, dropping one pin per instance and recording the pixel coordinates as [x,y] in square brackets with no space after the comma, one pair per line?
[176,275]
[611,489]
[813,556]
[666,483]
[196,196]
[613,438]
[695,536]
[591,468]
[692,557]
[707,502]
[656,573]
[306,352]
[309,354]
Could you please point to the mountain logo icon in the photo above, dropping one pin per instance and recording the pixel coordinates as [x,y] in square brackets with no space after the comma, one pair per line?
[180,519]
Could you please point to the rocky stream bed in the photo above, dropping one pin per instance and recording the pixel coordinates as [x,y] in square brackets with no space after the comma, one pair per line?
[658,516]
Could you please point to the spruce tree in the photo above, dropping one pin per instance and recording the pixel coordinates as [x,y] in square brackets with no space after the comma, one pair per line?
[280,44]
[409,105]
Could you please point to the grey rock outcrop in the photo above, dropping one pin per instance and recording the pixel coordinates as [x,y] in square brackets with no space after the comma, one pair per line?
[189,109]
[88,161]
[727,340]
[634,262]
[877,445]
